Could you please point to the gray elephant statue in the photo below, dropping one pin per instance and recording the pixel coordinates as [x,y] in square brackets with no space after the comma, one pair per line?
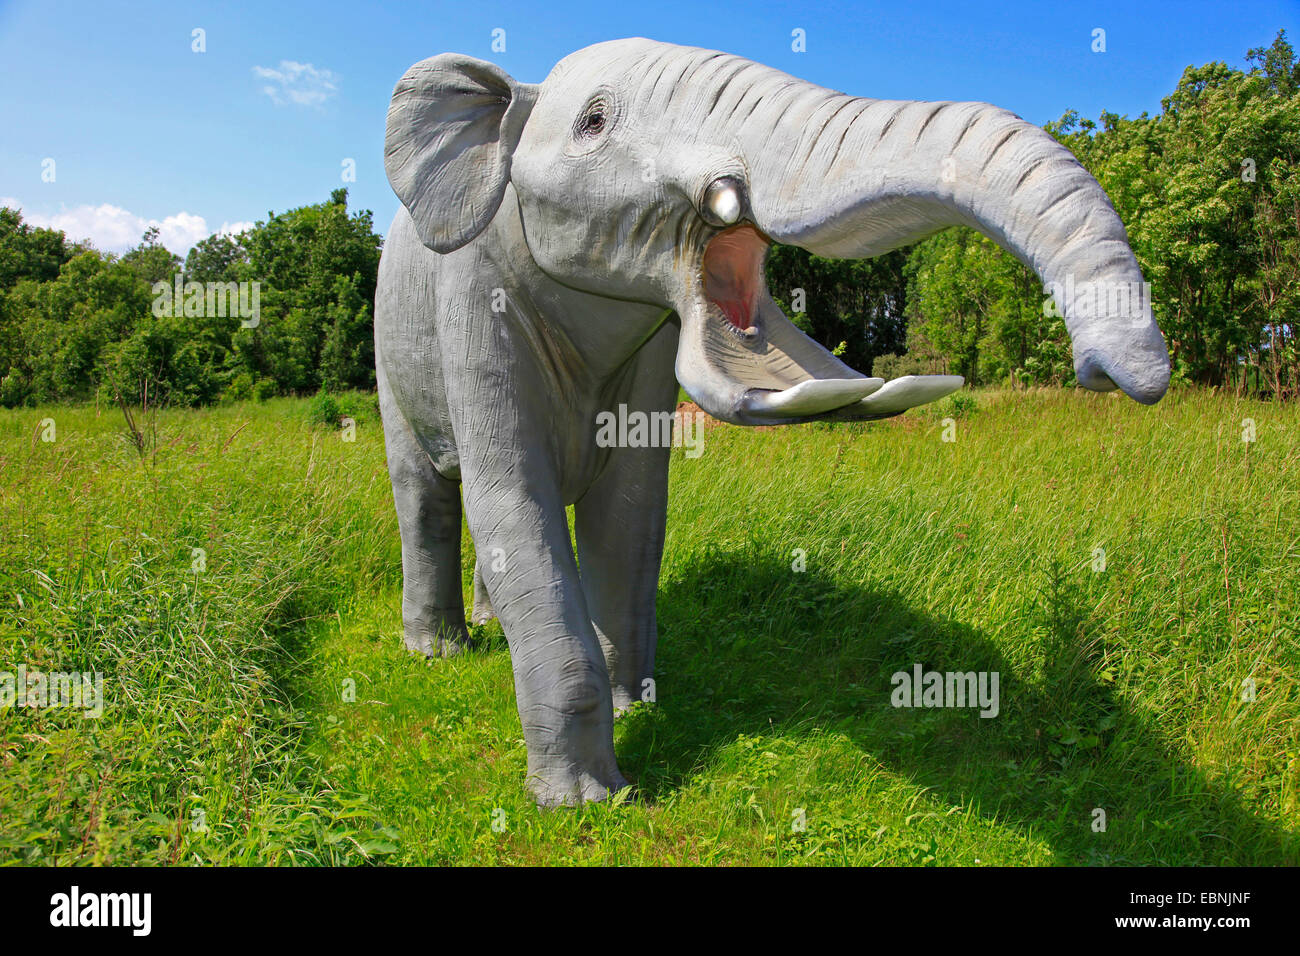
[564,248]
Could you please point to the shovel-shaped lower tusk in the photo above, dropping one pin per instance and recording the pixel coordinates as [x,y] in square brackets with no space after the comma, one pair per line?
[812,397]
[900,394]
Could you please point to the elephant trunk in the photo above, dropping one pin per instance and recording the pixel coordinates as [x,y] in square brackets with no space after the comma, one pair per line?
[865,176]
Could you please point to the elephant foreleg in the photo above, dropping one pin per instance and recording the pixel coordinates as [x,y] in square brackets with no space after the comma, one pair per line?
[561,685]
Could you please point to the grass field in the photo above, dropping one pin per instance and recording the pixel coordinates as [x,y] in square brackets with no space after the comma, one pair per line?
[231,733]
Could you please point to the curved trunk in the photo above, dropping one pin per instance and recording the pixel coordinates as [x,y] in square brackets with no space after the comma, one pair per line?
[866,176]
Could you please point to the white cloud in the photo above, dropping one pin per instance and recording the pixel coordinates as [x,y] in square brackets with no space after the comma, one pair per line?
[298,83]
[114,229]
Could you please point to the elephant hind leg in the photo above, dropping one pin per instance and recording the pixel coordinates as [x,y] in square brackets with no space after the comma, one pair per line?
[429,518]
[620,524]
[483,611]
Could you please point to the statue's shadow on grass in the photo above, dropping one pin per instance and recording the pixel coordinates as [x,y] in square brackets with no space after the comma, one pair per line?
[749,647]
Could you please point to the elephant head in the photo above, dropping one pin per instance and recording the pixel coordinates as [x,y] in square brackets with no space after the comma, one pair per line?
[660,174]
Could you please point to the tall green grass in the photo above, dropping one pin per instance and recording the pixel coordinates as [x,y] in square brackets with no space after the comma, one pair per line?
[262,710]
[201,754]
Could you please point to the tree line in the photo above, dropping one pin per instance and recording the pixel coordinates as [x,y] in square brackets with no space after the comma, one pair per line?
[1208,190]
[78,324]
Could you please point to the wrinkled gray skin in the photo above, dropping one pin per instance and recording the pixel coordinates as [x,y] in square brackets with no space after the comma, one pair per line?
[550,263]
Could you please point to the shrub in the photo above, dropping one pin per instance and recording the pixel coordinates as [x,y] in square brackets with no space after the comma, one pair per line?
[961,403]
[323,409]
[329,408]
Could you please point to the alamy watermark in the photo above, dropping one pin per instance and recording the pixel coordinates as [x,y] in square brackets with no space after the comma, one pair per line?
[83,690]
[75,908]
[208,299]
[638,429]
[946,689]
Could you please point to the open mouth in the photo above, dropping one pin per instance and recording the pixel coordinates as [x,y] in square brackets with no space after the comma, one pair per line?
[762,370]
[732,272]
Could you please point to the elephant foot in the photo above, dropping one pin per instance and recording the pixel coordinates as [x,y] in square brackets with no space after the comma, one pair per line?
[624,698]
[482,615]
[450,647]
[562,787]
[447,640]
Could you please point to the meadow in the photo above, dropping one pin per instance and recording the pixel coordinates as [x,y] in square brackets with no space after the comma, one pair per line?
[234,572]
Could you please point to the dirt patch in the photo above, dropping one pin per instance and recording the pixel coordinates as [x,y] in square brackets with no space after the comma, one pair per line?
[706,420]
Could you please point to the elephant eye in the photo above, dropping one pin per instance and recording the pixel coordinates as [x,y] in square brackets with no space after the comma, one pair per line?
[593,120]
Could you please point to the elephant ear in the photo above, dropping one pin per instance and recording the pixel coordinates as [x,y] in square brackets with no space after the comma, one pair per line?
[453,124]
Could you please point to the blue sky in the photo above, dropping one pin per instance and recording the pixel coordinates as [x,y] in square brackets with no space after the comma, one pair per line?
[143,130]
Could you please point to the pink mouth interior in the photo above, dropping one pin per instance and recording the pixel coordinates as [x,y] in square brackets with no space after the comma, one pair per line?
[732,261]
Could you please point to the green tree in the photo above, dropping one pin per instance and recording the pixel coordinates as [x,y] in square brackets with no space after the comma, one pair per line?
[318,266]
[215,259]
[857,303]
[27,252]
